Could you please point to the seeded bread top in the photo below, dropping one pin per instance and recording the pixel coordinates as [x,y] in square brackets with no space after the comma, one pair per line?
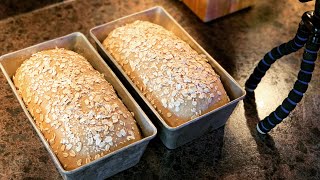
[75,108]
[178,81]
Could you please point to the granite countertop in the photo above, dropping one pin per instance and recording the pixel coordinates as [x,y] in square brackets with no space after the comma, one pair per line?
[237,42]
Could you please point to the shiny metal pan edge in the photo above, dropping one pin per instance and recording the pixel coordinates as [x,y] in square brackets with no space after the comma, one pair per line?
[100,168]
[169,135]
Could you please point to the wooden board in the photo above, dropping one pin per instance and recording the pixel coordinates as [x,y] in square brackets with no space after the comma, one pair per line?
[208,10]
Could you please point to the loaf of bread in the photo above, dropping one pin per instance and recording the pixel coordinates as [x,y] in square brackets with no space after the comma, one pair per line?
[179,82]
[76,109]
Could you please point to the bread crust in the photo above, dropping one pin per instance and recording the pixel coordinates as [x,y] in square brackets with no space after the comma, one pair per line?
[179,82]
[76,109]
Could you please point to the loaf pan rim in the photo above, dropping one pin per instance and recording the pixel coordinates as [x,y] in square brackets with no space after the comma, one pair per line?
[31,120]
[163,122]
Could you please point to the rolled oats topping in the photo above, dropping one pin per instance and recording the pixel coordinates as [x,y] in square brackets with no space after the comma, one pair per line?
[165,68]
[78,110]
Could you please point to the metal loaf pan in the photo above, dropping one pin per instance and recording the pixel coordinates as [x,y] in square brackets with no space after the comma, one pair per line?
[114,162]
[172,137]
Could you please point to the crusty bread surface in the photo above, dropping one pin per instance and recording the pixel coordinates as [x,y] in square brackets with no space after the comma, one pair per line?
[76,109]
[176,80]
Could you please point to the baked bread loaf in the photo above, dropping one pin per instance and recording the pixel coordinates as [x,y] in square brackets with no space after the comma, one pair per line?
[179,82]
[75,108]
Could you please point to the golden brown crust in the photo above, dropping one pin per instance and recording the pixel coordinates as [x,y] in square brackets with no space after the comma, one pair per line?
[178,81]
[75,108]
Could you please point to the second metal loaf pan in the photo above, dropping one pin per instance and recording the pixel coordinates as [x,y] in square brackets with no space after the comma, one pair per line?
[172,137]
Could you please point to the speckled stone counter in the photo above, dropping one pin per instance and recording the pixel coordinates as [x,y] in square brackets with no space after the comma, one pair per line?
[14,7]
[234,151]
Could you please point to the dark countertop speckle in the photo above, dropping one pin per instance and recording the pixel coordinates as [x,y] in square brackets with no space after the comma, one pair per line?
[234,151]
[14,7]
